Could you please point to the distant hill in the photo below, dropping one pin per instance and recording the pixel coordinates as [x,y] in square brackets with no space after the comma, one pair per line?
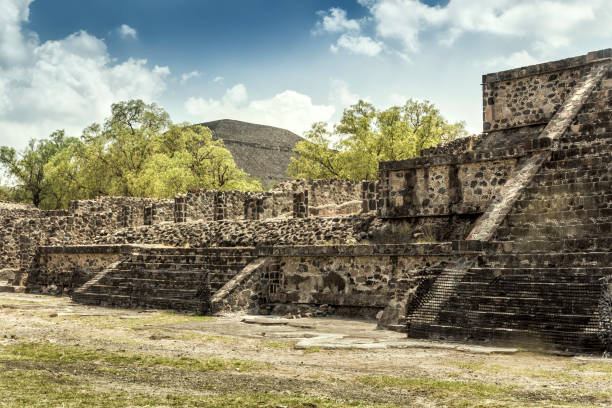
[262,151]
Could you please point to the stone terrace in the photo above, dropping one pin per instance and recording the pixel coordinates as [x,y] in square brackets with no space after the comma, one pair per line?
[503,237]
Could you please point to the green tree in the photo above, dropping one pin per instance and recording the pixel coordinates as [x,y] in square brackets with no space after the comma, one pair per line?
[26,168]
[138,152]
[366,136]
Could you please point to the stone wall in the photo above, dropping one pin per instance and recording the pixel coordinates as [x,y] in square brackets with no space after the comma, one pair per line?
[127,211]
[345,280]
[234,233]
[325,198]
[421,187]
[532,95]
[61,269]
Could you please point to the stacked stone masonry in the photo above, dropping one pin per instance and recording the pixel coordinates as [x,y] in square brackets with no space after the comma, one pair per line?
[534,190]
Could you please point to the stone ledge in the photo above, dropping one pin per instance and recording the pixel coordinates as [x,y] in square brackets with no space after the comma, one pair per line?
[548,67]
[521,150]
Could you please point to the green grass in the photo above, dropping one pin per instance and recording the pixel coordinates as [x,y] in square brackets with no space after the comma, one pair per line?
[41,389]
[478,394]
[312,349]
[54,353]
[278,344]
[144,320]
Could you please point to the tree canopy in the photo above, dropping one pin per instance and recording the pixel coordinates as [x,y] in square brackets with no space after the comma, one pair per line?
[366,136]
[137,152]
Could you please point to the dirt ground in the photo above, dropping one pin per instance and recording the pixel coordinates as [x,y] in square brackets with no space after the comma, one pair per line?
[57,353]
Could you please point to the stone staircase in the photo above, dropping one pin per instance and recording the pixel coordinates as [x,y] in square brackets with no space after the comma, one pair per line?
[11,280]
[163,278]
[549,290]
[533,300]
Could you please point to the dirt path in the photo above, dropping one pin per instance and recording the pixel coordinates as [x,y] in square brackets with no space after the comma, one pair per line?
[254,361]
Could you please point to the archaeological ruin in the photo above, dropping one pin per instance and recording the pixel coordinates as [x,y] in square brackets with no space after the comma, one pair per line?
[500,238]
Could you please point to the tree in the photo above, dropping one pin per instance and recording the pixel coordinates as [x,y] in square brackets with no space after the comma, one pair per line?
[27,168]
[366,136]
[138,152]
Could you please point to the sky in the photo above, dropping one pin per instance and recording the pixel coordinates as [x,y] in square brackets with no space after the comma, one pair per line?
[285,63]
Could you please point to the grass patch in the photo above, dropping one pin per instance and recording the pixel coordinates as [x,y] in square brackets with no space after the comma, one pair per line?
[312,349]
[595,367]
[537,374]
[38,389]
[469,365]
[53,353]
[478,394]
[143,322]
[278,344]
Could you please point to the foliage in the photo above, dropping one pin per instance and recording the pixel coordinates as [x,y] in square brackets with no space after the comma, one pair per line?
[137,152]
[366,136]
[27,168]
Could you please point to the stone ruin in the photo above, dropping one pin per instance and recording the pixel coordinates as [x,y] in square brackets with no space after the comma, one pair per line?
[499,238]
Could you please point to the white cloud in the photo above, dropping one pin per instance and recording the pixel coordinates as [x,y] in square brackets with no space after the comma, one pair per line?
[63,84]
[335,21]
[341,96]
[125,31]
[189,75]
[218,80]
[235,96]
[517,59]
[288,109]
[542,24]
[15,46]
[358,45]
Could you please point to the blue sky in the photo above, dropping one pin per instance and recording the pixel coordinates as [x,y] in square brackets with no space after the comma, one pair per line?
[285,63]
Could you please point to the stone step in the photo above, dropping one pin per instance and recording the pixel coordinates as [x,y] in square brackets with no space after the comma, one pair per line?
[180,266]
[597,104]
[538,321]
[159,283]
[577,163]
[579,341]
[575,259]
[176,274]
[594,117]
[582,140]
[190,259]
[7,288]
[559,218]
[593,150]
[573,176]
[594,202]
[102,299]
[599,244]
[144,292]
[124,301]
[583,274]
[590,128]
[603,187]
[552,232]
[517,304]
[517,287]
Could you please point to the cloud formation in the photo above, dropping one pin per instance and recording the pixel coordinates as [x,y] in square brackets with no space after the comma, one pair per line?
[543,24]
[63,84]
[358,44]
[288,109]
[125,31]
[335,21]
[190,75]
[398,27]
